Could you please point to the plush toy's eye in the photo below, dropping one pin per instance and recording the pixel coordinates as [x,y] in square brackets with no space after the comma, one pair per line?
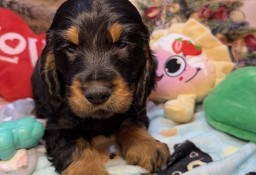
[174,66]
[71,48]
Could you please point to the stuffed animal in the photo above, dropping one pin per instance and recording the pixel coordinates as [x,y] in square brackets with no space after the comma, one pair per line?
[23,133]
[19,51]
[191,62]
[230,106]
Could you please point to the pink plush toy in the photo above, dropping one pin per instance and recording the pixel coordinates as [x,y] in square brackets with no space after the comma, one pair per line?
[191,62]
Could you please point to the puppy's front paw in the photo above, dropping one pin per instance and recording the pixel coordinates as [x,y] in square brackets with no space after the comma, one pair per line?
[86,161]
[85,170]
[149,154]
[140,148]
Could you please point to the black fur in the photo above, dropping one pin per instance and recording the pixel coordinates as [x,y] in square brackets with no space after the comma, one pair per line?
[95,58]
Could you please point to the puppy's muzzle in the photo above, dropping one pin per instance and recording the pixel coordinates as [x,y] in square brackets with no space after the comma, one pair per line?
[97,93]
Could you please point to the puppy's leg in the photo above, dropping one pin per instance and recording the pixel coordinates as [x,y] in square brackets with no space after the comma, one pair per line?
[138,147]
[86,161]
[73,156]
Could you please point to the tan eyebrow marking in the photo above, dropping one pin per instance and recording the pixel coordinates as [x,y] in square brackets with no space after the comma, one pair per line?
[72,35]
[115,31]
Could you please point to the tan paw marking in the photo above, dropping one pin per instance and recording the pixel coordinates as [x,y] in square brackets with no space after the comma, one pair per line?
[139,148]
[86,161]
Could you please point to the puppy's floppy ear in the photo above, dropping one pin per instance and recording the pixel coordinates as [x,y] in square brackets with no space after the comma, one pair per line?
[147,78]
[47,68]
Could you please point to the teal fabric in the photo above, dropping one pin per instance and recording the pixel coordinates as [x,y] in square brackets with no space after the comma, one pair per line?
[231,106]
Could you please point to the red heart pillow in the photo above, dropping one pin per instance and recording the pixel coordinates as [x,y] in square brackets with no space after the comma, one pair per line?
[19,50]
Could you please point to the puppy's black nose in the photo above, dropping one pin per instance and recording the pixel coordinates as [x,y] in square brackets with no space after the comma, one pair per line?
[97,94]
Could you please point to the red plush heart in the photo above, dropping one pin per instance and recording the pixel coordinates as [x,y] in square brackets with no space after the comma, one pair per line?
[12,43]
[19,50]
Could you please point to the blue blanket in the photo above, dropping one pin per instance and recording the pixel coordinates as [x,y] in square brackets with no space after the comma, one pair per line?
[230,155]
[196,147]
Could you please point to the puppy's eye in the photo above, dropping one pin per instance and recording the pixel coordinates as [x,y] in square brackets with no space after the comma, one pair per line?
[71,48]
[121,44]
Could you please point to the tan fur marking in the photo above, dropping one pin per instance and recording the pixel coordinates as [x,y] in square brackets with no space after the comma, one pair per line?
[72,35]
[77,100]
[50,62]
[138,147]
[86,160]
[119,101]
[115,31]
[49,72]
[102,144]
[122,97]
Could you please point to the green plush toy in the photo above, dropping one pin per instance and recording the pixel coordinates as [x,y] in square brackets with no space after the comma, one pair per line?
[230,107]
[23,133]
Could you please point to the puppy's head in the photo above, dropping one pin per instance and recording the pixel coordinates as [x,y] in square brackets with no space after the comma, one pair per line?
[97,57]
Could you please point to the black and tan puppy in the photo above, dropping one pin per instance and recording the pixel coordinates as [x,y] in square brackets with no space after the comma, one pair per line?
[93,78]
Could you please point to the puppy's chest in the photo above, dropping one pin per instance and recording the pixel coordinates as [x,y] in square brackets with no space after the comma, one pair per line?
[92,128]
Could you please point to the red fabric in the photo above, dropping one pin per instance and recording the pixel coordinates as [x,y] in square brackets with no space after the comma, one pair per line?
[19,50]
